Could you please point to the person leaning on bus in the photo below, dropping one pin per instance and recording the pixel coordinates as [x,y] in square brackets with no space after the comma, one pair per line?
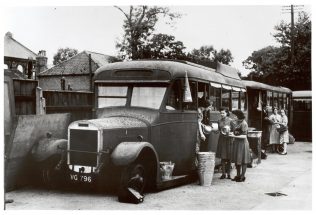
[240,150]
[224,145]
[275,119]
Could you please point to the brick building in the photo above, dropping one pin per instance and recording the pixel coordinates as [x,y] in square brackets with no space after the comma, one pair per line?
[75,73]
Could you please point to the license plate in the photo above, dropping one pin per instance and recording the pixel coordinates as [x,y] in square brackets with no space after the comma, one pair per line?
[81,178]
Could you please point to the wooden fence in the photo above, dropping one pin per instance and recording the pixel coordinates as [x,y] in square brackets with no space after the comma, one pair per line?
[25,96]
[79,104]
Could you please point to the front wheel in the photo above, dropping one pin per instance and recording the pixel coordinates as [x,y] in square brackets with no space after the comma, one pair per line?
[50,177]
[133,183]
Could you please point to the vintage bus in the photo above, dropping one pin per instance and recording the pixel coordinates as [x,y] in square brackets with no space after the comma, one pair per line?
[302,115]
[260,94]
[142,118]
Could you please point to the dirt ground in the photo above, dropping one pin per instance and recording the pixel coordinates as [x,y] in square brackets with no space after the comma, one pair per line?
[290,175]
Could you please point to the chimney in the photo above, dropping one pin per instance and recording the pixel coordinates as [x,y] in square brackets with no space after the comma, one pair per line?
[9,34]
[41,62]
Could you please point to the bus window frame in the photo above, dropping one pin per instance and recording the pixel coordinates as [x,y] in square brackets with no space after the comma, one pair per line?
[128,96]
[230,97]
[216,86]
[167,95]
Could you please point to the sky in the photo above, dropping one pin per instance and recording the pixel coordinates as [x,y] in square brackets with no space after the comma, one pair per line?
[240,28]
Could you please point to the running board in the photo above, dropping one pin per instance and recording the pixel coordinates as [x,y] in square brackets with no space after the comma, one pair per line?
[175,181]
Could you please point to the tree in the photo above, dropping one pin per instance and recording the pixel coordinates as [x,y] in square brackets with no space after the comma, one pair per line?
[209,56]
[64,54]
[163,46]
[273,65]
[139,24]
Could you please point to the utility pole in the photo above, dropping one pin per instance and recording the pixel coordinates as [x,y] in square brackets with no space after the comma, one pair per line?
[292,36]
[292,9]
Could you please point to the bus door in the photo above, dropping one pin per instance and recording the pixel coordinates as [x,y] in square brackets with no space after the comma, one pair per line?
[178,128]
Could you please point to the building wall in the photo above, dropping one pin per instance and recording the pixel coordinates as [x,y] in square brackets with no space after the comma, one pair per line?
[75,71]
[77,83]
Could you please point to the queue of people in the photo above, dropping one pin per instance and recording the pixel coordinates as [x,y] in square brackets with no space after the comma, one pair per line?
[233,145]
[277,131]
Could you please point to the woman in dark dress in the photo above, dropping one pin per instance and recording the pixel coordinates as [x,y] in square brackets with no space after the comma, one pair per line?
[240,150]
[224,145]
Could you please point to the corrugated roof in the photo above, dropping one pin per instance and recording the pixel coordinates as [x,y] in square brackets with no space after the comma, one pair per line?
[13,48]
[78,64]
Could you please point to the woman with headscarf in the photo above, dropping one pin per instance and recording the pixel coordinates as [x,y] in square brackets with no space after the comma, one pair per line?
[240,150]
[274,119]
[224,145]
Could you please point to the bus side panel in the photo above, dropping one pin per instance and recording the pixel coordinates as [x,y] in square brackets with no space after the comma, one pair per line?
[178,136]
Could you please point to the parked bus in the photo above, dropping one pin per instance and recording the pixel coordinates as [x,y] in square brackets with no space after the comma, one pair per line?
[259,95]
[302,115]
[143,118]
[146,114]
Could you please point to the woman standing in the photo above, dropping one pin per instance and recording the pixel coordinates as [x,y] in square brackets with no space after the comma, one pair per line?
[275,119]
[224,145]
[240,152]
[284,136]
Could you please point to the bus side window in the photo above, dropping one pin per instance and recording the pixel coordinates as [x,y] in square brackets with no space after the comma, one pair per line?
[192,105]
[203,89]
[215,95]
[243,102]
[226,97]
[235,100]
[174,99]
[269,99]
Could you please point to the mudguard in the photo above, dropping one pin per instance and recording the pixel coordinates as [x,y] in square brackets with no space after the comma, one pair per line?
[127,152]
[47,147]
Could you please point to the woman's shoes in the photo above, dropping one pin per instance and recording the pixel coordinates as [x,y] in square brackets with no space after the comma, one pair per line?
[241,179]
[236,178]
[222,177]
[283,153]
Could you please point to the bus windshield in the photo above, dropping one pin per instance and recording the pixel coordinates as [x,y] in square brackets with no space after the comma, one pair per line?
[141,96]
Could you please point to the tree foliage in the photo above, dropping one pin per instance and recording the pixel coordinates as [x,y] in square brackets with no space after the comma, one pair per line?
[209,56]
[140,42]
[64,54]
[163,46]
[139,25]
[273,65]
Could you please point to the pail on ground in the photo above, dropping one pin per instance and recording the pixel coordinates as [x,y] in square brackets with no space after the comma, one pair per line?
[206,164]
[166,169]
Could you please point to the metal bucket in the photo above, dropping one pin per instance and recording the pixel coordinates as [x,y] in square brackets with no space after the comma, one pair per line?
[206,167]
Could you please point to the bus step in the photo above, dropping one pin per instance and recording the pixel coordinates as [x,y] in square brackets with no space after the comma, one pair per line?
[174,181]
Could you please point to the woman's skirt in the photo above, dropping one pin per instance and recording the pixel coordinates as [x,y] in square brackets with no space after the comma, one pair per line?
[240,152]
[274,135]
[284,137]
[224,147]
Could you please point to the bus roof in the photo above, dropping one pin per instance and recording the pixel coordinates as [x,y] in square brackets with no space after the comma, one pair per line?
[303,93]
[173,69]
[262,86]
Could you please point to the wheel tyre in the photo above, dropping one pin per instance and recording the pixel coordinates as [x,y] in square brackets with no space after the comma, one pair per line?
[49,176]
[133,178]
